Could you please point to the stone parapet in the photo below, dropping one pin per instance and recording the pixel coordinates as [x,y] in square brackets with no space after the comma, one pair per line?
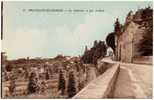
[101,87]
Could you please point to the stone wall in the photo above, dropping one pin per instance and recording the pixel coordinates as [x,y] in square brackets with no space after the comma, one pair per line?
[143,60]
[102,86]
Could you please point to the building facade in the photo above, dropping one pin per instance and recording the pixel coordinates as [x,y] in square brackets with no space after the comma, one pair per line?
[128,37]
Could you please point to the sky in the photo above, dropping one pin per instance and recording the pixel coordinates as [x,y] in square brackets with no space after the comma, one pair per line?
[46,34]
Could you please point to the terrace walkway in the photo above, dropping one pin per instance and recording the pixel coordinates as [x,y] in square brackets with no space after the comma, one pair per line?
[134,80]
[131,81]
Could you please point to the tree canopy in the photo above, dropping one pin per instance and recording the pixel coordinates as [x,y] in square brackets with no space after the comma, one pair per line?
[110,40]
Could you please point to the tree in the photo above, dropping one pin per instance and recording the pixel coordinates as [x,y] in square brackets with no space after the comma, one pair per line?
[43,87]
[71,89]
[26,73]
[86,48]
[97,51]
[103,49]
[47,76]
[33,83]
[117,27]
[61,85]
[110,40]
[81,79]
[146,44]
[95,43]
[12,85]
[9,67]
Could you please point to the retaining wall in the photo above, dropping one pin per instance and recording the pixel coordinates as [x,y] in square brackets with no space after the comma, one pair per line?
[101,87]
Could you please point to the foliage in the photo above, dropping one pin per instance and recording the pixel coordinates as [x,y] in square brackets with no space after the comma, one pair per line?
[8,67]
[33,83]
[97,51]
[71,88]
[110,40]
[117,27]
[61,85]
[12,86]
[146,44]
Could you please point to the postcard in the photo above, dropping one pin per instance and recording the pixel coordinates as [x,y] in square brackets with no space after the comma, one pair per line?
[76,50]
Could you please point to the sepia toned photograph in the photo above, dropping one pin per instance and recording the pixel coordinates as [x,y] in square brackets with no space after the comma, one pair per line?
[76,50]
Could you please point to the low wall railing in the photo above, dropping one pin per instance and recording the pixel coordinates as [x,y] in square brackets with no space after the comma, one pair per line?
[101,87]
